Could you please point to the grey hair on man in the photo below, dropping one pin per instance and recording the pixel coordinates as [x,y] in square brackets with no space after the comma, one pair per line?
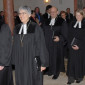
[26,8]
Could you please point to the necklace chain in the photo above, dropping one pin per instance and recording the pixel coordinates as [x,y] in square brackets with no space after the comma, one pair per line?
[22,35]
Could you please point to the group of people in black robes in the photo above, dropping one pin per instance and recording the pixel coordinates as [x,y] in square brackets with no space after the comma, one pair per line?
[66,30]
[38,46]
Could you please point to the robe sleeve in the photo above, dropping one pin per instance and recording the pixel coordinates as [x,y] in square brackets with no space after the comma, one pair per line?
[41,49]
[5,45]
[80,36]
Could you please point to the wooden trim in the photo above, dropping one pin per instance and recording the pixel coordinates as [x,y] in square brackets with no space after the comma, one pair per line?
[75,5]
[9,13]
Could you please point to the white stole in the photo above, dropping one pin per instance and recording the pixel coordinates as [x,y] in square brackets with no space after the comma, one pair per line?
[23,28]
[52,22]
[78,23]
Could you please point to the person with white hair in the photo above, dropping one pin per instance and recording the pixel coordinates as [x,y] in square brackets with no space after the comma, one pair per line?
[30,55]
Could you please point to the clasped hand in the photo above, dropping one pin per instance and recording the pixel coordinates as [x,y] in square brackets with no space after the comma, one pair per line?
[43,68]
[75,47]
[1,68]
[56,39]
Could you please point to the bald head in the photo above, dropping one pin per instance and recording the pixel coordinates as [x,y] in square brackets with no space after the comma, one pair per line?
[54,12]
[54,8]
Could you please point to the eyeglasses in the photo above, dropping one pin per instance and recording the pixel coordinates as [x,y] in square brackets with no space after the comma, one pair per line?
[53,12]
[23,13]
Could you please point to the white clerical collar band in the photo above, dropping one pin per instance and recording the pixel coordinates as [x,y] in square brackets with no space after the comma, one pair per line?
[78,23]
[52,22]
[23,28]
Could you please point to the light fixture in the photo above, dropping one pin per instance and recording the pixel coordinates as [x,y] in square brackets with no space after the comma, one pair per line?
[46,1]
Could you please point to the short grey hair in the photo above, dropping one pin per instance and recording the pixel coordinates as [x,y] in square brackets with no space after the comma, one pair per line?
[26,8]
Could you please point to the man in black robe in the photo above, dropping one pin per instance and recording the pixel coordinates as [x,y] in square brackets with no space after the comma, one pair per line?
[46,16]
[69,16]
[55,32]
[5,55]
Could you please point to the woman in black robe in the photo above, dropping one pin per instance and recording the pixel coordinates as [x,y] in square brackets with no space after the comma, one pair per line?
[76,43]
[5,55]
[30,55]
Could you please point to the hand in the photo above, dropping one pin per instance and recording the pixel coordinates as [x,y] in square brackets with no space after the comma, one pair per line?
[56,39]
[75,47]
[1,68]
[43,68]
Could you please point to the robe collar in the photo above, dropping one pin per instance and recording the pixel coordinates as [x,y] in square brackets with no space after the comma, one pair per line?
[52,22]
[58,21]
[82,24]
[30,27]
[78,23]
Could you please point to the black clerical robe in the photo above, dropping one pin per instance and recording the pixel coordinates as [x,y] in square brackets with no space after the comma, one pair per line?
[24,56]
[1,23]
[55,49]
[45,17]
[76,59]
[5,55]
[69,17]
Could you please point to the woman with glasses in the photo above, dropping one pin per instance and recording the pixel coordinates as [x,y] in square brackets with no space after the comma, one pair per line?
[76,43]
[30,55]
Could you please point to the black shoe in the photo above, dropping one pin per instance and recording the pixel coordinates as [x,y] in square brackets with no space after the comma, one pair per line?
[69,83]
[49,74]
[79,80]
[55,77]
[70,80]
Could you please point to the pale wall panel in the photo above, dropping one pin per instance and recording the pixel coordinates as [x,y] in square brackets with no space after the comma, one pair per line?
[40,3]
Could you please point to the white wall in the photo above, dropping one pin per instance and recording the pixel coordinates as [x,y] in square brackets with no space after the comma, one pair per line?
[33,3]
[1,5]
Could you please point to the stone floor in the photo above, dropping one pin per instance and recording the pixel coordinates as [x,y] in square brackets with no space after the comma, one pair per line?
[62,80]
